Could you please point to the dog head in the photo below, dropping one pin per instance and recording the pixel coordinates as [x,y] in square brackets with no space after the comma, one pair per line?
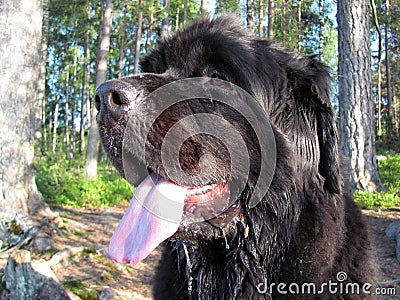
[292,90]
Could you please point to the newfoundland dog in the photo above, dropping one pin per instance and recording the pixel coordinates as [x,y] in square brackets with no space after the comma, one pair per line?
[303,238]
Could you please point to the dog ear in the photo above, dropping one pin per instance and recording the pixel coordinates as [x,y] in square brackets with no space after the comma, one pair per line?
[315,85]
[153,62]
[329,149]
[309,84]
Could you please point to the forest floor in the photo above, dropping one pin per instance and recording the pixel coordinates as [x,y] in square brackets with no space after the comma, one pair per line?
[93,275]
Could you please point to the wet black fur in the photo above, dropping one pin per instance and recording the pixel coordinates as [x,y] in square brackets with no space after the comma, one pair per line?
[305,229]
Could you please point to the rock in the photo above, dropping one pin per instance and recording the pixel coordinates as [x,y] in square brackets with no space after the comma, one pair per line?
[107,294]
[25,279]
[13,227]
[43,242]
[393,232]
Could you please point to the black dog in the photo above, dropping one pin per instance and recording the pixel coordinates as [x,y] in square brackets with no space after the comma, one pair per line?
[304,230]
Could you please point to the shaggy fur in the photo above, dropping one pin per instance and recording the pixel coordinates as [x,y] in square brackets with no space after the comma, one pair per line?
[306,229]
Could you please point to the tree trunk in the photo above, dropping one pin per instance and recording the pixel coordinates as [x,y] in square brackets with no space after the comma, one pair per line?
[27,279]
[151,26]
[165,21]
[185,11]
[356,106]
[321,10]
[284,22]
[177,18]
[203,8]
[138,37]
[66,111]
[379,63]
[389,96]
[121,52]
[20,61]
[92,151]
[55,121]
[122,43]
[396,115]
[85,85]
[271,17]
[299,27]
[42,76]
[74,97]
[250,15]
[261,20]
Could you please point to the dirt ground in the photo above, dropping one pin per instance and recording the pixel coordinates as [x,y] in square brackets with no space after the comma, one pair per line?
[105,279]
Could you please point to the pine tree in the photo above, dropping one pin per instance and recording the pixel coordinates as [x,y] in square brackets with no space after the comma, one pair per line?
[356,106]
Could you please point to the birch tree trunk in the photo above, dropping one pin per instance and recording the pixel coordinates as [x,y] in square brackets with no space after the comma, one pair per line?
[20,60]
[92,151]
[356,106]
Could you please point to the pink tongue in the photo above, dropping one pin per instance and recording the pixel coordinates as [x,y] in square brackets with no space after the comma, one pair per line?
[153,215]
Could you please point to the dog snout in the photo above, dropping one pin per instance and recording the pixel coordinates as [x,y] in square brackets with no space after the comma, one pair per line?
[112,98]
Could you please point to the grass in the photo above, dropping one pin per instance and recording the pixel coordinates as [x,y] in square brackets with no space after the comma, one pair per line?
[62,183]
[389,171]
[110,265]
[81,290]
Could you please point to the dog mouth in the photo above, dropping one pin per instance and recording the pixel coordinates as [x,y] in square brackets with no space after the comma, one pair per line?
[160,207]
[209,203]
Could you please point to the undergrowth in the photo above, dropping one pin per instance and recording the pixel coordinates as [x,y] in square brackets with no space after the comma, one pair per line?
[389,171]
[62,183]
[81,290]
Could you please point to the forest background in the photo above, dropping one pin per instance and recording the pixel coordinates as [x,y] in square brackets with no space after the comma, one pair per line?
[67,171]
[53,167]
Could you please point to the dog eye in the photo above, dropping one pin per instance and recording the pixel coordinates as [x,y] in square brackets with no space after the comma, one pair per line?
[216,75]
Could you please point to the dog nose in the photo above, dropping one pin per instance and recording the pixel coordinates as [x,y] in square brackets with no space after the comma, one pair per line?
[112,99]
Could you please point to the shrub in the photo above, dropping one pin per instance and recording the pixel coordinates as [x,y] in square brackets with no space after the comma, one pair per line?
[389,171]
[61,182]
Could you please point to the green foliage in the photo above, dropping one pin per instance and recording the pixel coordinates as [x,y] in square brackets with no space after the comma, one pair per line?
[390,174]
[15,228]
[61,182]
[390,170]
[81,290]
[227,6]
[388,19]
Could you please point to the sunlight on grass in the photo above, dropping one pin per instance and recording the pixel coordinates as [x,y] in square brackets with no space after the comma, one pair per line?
[389,171]
[61,182]
[81,290]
